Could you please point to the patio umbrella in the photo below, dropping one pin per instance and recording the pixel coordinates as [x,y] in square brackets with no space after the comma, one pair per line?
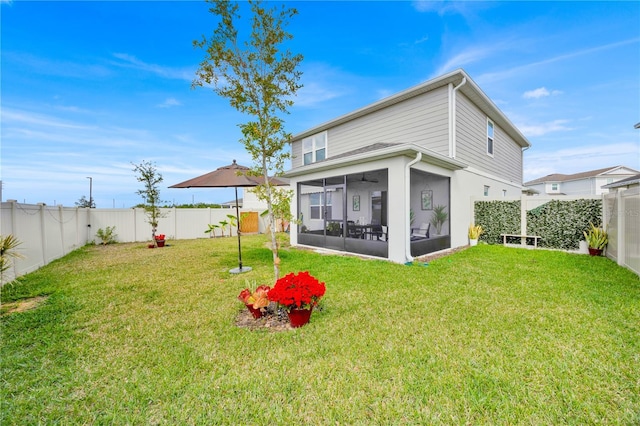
[231,176]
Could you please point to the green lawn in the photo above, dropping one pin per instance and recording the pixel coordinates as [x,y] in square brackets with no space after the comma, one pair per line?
[489,335]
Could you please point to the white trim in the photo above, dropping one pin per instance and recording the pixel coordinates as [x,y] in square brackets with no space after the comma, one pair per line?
[492,177]
[314,148]
[493,137]
[410,150]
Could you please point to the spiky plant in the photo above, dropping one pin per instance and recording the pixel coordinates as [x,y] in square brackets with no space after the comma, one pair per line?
[8,251]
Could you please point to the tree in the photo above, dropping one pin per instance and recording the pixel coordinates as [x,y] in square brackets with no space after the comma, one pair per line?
[83,202]
[150,178]
[259,78]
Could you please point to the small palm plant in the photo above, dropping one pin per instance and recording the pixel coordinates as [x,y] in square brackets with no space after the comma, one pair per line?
[212,229]
[597,238]
[8,251]
[232,222]
[439,217]
[475,231]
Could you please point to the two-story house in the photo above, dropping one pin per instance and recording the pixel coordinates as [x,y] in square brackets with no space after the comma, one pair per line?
[371,181]
[591,182]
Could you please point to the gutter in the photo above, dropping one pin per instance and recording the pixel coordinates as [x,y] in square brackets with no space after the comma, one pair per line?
[407,204]
[452,116]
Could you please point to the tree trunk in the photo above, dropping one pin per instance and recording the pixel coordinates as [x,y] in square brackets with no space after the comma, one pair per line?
[272,225]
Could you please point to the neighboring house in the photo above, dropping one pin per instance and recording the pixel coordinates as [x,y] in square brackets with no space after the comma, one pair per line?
[360,178]
[630,182]
[592,182]
[250,200]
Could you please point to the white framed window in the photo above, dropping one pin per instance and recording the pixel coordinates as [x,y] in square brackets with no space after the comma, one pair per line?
[554,186]
[314,148]
[504,192]
[317,206]
[490,137]
[486,190]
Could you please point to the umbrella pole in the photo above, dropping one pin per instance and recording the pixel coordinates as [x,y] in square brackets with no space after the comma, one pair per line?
[239,269]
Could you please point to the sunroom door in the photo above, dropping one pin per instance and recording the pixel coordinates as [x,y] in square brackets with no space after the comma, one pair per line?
[334,216]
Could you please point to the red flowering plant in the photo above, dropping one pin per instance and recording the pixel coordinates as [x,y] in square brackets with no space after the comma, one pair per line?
[160,237]
[301,291]
[257,299]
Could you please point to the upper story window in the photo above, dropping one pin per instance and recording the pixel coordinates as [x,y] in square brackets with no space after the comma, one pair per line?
[489,137]
[486,190]
[314,148]
[554,186]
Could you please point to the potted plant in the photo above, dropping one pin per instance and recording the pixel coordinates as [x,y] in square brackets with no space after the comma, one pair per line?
[474,233]
[597,239]
[160,240]
[333,228]
[255,301]
[439,217]
[297,294]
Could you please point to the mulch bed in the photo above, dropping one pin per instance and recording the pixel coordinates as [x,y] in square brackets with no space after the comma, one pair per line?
[271,320]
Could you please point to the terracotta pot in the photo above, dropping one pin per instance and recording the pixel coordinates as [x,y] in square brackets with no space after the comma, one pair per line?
[257,313]
[595,251]
[299,317]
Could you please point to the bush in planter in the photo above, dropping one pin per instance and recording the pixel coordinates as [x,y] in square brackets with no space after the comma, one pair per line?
[439,218]
[474,232]
[333,228]
[597,238]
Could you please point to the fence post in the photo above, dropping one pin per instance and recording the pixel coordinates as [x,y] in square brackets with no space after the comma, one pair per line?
[43,234]
[175,222]
[14,231]
[523,219]
[621,227]
[61,216]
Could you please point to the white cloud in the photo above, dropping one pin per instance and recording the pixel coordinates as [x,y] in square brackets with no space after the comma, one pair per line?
[518,70]
[10,116]
[531,130]
[421,40]
[130,61]
[540,92]
[169,102]
[442,7]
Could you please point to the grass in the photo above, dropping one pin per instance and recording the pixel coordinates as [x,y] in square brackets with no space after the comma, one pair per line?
[489,335]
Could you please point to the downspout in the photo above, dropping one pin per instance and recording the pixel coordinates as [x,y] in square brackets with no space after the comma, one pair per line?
[407,205]
[452,116]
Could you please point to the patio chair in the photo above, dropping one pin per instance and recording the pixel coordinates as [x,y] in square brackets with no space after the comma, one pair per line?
[420,233]
[353,231]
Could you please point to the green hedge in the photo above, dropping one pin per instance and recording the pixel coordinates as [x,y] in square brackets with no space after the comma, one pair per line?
[559,223]
[497,217]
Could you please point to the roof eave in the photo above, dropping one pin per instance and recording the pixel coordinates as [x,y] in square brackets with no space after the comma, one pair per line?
[470,89]
[409,150]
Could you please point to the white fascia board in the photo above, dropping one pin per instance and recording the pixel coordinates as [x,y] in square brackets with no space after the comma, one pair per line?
[409,150]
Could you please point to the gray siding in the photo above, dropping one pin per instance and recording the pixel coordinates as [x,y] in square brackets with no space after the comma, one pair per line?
[422,120]
[471,143]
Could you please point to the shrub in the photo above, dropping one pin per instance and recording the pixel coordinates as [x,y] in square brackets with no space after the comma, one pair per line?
[107,236]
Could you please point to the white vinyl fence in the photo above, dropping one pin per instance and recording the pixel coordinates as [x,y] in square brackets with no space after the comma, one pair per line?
[622,219]
[50,232]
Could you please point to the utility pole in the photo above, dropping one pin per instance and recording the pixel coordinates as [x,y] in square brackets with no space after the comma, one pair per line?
[90,192]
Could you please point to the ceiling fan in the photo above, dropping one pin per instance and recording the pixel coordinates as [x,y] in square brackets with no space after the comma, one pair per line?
[365,180]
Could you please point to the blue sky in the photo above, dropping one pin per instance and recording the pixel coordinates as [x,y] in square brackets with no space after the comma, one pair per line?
[87,88]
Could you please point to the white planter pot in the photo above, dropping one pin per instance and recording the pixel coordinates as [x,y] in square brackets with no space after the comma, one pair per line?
[473,242]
